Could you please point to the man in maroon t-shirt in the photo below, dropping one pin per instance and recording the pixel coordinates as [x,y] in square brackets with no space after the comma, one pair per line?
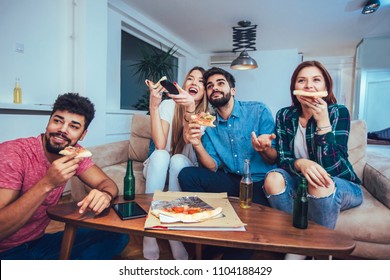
[33,176]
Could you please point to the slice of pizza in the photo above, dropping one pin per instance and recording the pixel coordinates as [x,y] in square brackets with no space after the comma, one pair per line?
[155,85]
[311,94]
[187,214]
[80,151]
[204,119]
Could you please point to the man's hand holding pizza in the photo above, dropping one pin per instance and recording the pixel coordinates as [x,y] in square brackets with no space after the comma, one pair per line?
[61,170]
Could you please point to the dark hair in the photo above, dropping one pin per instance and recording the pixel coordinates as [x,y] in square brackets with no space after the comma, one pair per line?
[214,71]
[330,99]
[76,104]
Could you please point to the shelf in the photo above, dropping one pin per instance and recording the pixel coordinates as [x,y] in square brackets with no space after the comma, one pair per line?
[11,108]
[124,112]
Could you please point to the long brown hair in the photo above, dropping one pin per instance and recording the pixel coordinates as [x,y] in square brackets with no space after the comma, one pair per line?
[177,141]
[330,99]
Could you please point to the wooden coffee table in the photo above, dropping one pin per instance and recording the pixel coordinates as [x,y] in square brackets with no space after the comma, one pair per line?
[267,230]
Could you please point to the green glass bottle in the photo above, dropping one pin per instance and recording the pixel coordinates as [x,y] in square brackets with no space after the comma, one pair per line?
[129,182]
[300,205]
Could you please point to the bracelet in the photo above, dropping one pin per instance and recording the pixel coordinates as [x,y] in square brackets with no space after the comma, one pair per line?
[319,128]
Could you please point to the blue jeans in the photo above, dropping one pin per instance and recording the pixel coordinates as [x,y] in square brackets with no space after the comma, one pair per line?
[156,167]
[322,210]
[197,179]
[89,244]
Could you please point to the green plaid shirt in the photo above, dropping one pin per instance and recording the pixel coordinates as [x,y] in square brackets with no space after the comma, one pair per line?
[329,150]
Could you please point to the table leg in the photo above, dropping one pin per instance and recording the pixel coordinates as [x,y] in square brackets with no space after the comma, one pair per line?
[67,241]
[198,251]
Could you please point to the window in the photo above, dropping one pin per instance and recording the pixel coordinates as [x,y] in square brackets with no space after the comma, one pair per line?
[134,93]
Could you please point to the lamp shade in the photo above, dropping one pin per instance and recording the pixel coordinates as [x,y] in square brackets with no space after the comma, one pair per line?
[244,62]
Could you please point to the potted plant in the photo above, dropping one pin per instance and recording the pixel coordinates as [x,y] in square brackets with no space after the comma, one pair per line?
[153,65]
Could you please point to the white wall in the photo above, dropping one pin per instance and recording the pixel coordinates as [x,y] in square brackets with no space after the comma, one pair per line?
[54,60]
[372,86]
[40,27]
[58,60]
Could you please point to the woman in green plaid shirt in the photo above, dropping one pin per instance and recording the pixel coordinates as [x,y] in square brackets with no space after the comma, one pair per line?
[311,141]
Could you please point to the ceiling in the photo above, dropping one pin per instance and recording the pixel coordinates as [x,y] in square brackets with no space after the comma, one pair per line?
[314,27]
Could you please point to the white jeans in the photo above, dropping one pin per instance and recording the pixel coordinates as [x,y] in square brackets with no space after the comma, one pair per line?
[158,165]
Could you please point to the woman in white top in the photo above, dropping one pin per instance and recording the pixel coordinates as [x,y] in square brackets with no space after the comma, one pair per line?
[172,153]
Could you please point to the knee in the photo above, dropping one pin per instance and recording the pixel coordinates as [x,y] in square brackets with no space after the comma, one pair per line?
[160,155]
[178,162]
[274,183]
[185,176]
[321,192]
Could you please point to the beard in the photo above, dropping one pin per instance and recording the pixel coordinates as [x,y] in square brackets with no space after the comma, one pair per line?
[222,101]
[52,148]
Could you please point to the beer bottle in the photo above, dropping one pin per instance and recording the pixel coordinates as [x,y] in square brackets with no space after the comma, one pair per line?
[246,186]
[300,205]
[129,182]
[17,92]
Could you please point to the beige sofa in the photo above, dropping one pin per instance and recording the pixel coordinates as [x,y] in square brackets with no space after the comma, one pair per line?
[368,224]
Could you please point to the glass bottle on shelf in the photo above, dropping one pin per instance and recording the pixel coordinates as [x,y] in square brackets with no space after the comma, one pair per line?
[129,182]
[300,205]
[17,92]
[246,186]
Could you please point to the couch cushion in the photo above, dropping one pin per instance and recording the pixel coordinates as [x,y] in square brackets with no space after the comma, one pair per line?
[139,177]
[368,222]
[357,146]
[140,137]
[109,154]
[116,173]
[371,251]
[377,177]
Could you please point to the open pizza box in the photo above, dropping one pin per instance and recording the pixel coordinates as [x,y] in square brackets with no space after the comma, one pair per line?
[227,221]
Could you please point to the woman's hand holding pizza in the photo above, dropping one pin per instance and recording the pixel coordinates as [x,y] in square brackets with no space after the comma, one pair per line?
[194,132]
[320,110]
[155,97]
[318,107]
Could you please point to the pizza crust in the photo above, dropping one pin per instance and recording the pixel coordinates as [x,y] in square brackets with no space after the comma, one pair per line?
[81,152]
[311,94]
[189,218]
[204,119]
[155,85]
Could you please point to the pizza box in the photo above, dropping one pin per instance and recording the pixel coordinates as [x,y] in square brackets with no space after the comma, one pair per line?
[228,221]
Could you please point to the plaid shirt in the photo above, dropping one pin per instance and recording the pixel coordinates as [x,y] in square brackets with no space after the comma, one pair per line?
[329,150]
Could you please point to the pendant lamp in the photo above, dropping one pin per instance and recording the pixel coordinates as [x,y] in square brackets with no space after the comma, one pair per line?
[244,37]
